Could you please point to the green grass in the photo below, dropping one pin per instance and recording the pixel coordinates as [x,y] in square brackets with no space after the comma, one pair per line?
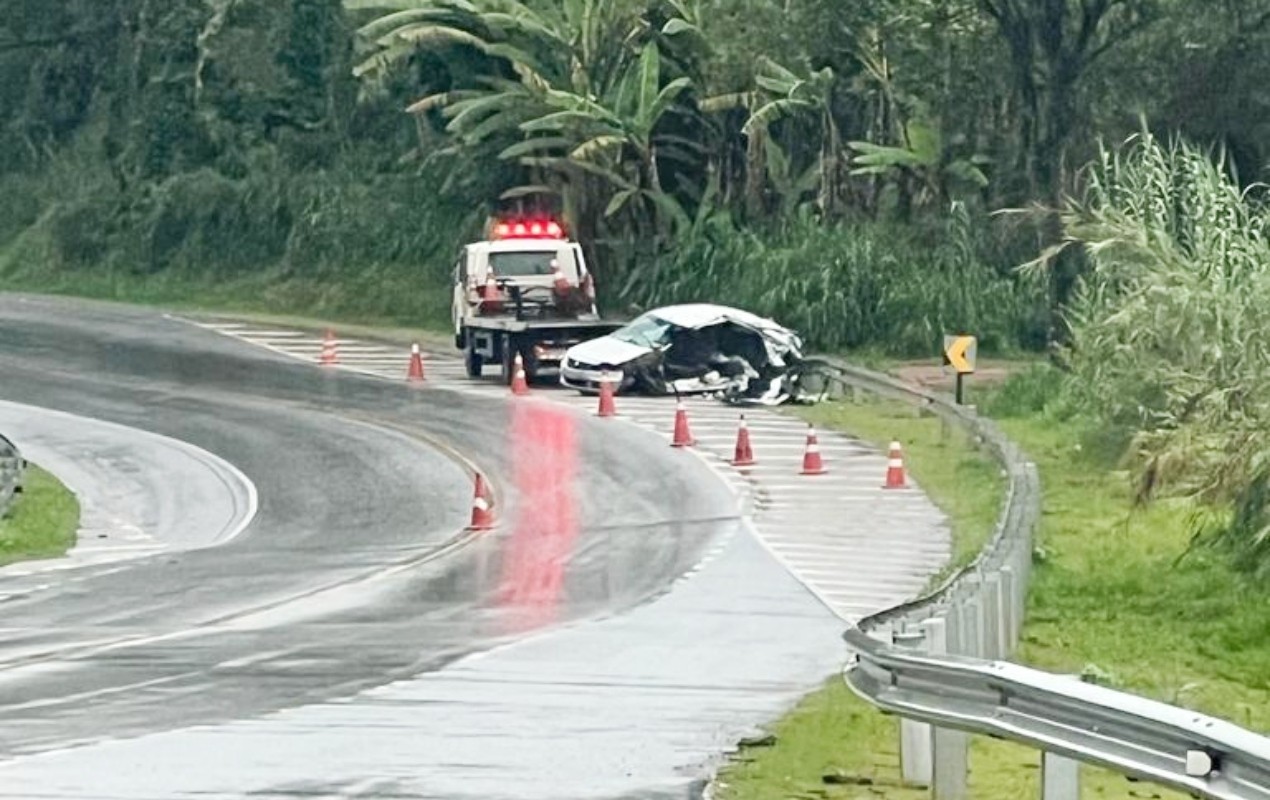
[384,297]
[1108,595]
[42,521]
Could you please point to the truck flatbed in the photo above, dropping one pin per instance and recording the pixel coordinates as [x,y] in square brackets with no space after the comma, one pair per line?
[509,324]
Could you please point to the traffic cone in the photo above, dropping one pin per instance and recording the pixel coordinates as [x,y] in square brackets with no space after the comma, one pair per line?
[744,456]
[560,284]
[895,468]
[415,373]
[491,296]
[519,384]
[482,509]
[683,436]
[608,405]
[812,462]
[330,349]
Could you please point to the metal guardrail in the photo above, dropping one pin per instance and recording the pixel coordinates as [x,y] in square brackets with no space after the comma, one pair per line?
[935,661]
[12,467]
[1066,716]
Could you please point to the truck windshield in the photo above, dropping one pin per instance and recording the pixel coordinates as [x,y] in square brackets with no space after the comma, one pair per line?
[517,265]
[646,331]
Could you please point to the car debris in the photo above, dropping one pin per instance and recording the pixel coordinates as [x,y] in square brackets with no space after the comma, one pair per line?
[696,348]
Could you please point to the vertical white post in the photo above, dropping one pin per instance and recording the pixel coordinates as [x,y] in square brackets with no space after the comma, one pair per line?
[1010,607]
[948,747]
[972,627]
[994,617]
[1060,778]
[915,737]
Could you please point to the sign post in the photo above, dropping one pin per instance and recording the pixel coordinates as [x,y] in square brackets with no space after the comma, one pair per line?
[959,353]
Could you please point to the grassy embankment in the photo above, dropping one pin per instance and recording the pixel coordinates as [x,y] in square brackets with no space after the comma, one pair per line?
[1109,598]
[383,298]
[42,521]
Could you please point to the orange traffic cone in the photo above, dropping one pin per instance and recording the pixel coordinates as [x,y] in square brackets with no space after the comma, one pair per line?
[415,373]
[744,456]
[608,405]
[812,462]
[482,509]
[683,436]
[519,384]
[330,349]
[895,468]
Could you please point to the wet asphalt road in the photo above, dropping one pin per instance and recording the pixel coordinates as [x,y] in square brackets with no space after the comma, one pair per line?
[348,577]
[139,493]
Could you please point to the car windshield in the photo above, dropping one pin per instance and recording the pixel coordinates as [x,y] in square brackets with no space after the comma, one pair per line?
[646,331]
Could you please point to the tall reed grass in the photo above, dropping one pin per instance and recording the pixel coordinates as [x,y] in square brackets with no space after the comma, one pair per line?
[1170,330]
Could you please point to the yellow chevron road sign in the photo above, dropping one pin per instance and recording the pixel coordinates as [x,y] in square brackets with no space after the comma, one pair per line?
[960,352]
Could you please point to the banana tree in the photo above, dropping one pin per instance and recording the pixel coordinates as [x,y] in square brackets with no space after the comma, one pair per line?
[578,103]
[575,43]
[791,96]
[924,159]
[615,146]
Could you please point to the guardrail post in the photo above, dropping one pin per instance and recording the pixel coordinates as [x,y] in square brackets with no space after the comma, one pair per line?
[996,616]
[1012,607]
[949,751]
[971,626]
[915,737]
[1060,777]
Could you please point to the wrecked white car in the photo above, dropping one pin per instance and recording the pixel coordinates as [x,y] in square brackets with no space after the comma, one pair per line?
[692,349]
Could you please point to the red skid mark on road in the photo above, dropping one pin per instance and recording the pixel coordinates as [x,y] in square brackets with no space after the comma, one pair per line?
[544,456]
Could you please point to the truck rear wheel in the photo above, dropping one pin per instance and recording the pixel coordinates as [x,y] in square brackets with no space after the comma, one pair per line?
[509,360]
[473,362]
[511,348]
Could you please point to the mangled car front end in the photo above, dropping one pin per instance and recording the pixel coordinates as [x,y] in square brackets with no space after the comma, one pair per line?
[693,349]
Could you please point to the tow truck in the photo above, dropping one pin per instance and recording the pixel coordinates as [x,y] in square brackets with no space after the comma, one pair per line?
[525,290]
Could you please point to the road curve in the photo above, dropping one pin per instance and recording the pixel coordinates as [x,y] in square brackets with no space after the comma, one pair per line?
[138,492]
[349,576]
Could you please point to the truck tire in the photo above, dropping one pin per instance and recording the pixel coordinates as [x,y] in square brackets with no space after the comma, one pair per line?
[473,362]
[509,360]
[460,338]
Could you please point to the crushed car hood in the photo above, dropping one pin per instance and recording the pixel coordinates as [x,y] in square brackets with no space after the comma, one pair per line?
[703,315]
[708,348]
[606,351]
[696,316]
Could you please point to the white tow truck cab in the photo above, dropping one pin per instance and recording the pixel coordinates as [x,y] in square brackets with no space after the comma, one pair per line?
[525,290]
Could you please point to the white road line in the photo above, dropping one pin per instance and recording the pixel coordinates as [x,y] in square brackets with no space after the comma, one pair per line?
[96,693]
[265,335]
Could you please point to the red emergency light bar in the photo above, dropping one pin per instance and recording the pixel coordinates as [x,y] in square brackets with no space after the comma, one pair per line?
[529,229]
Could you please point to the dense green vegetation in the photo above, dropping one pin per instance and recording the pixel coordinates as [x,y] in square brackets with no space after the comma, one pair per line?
[42,521]
[808,151]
